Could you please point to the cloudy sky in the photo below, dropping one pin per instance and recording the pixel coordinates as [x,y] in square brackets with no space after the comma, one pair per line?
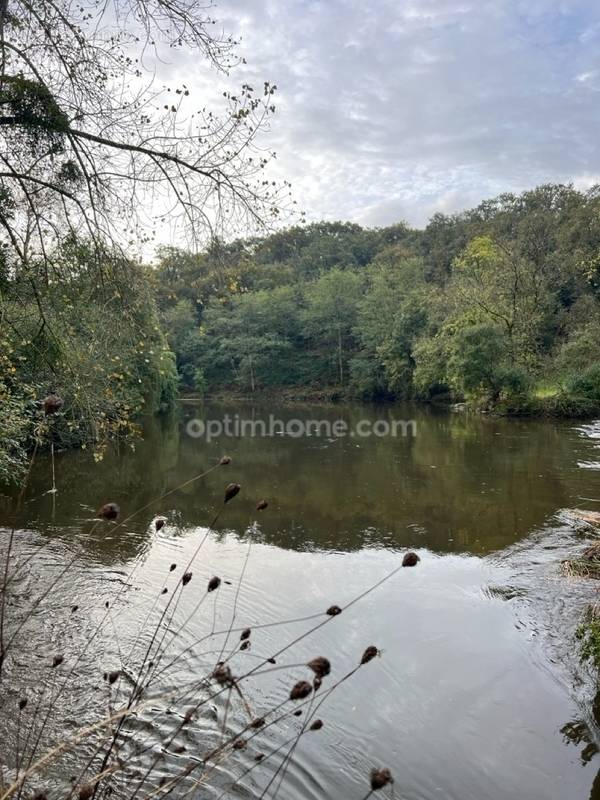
[391,109]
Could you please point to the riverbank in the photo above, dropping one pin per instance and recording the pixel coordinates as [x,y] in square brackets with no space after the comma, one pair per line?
[542,404]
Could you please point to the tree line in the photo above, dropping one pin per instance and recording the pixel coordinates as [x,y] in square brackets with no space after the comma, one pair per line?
[498,306]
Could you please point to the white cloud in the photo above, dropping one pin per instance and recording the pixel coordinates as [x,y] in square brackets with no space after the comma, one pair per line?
[398,109]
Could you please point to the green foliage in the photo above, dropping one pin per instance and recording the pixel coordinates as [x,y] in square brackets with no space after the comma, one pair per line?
[185,339]
[483,305]
[586,385]
[98,345]
[474,366]
[16,430]
[588,634]
[200,384]
[391,317]
[581,348]
[430,376]
[246,340]
[30,106]
[331,304]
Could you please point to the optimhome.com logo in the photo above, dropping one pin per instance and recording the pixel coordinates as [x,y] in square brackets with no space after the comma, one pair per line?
[234,426]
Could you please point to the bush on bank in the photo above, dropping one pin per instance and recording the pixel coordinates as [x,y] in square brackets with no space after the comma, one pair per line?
[93,339]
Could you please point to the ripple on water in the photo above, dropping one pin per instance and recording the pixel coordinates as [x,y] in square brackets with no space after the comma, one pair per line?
[458,703]
[591,430]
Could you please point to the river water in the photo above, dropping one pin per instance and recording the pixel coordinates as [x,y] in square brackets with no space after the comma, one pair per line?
[478,694]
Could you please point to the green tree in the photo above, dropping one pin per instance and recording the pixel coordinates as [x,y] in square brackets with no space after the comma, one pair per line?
[185,339]
[248,339]
[391,316]
[496,286]
[330,314]
[475,365]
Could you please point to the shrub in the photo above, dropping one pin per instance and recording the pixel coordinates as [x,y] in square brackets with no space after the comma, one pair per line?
[106,356]
[16,429]
[586,384]
[588,634]
[475,366]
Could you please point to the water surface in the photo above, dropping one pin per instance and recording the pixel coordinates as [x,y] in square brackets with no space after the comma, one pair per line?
[478,693]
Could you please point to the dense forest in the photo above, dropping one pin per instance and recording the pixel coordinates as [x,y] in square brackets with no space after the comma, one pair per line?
[499,306]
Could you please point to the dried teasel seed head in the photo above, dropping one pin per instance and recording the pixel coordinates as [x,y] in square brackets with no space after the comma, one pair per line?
[410,560]
[231,490]
[333,611]
[165,590]
[109,511]
[298,713]
[181,748]
[245,645]
[320,666]
[57,661]
[300,690]
[224,461]
[213,583]
[74,609]
[22,703]
[86,791]
[159,523]
[271,660]
[172,567]
[259,756]
[369,654]
[317,725]
[261,505]
[380,778]
[245,634]
[222,674]
[239,744]
[40,794]
[114,675]
[258,723]
[187,577]
[52,404]
[107,604]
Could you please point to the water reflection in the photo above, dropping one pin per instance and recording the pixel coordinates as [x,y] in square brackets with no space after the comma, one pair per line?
[463,704]
[462,484]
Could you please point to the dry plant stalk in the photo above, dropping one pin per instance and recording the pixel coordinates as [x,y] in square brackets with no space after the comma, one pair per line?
[128,764]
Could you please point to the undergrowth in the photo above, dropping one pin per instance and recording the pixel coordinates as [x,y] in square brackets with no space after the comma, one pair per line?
[588,634]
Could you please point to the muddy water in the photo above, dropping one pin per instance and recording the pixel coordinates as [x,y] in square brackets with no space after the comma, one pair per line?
[478,693]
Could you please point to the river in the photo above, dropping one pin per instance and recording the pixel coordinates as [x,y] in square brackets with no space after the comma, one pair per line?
[478,693]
